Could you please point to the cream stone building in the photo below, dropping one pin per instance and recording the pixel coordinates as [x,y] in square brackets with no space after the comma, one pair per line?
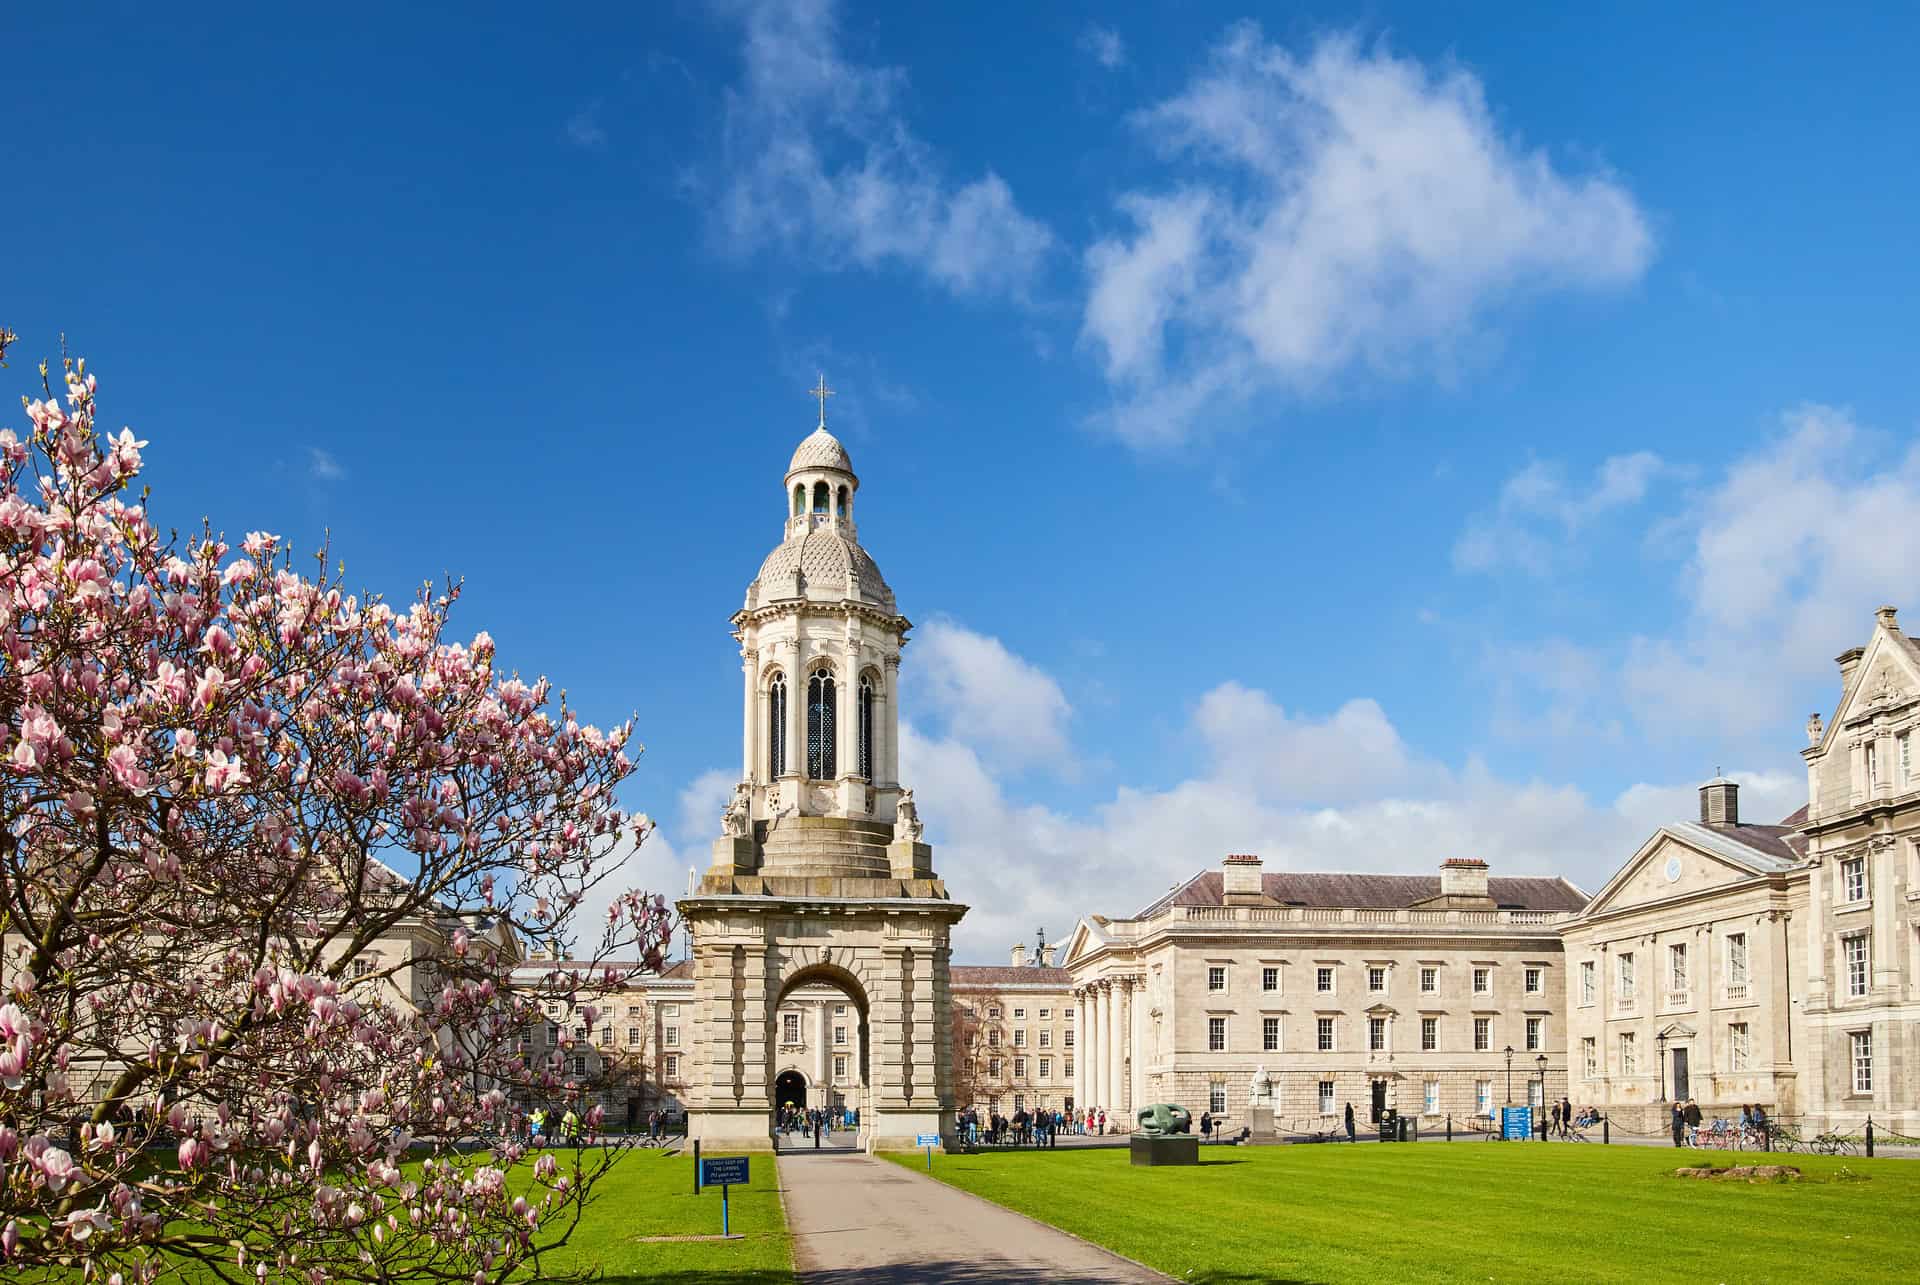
[1402,991]
[1772,964]
[1015,1034]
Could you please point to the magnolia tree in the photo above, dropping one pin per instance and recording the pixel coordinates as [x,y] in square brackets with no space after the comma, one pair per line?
[266,855]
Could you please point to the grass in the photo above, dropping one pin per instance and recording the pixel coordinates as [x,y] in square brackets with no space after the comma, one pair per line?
[1463,1212]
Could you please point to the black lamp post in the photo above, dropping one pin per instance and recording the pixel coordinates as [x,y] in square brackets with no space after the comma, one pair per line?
[1509,1075]
[1541,1062]
[1661,1040]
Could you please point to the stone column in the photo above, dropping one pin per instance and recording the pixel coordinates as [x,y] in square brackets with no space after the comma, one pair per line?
[924,1072]
[797,719]
[1116,1053]
[887,1033]
[1884,963]
[1079,1049]
[750,715]
[1817,960]
[1096,1039]
[822,1054]
[757,1002]
[1136,1060]
[886,730]
[1768,984]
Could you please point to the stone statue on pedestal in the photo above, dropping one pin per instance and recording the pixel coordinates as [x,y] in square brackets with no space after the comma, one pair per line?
[737,821]
[1260,1089]
[906,819]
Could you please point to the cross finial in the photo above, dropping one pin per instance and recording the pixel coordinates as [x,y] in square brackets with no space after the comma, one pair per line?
[822,392]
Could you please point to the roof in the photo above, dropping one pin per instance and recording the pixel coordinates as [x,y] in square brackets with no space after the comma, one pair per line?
[820,449]
[1368,891]
[1761,848]
[829,566]
[1796,819]
[1006,975]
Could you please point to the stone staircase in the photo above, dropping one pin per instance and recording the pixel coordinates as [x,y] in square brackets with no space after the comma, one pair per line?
[826,847]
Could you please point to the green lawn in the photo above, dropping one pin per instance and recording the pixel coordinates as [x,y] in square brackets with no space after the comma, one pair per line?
[1465,1211]
[649,1193]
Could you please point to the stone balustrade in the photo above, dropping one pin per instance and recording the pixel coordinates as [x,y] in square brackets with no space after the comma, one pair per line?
[1371,917]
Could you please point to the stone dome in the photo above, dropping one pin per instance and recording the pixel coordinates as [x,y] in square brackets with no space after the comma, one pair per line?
[820,449]
[821,565]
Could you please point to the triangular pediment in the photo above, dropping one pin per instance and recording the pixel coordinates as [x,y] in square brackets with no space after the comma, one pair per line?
[1667,866]
[1887,677]
[1083,941]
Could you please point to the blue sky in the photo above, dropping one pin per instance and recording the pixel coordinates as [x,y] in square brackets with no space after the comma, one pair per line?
[1369,437]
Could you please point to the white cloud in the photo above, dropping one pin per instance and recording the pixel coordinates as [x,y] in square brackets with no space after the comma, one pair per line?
[322,467]
[1538,512]
[1344,208]
[989,697]
[1104,46]
[819,160]
[584,129]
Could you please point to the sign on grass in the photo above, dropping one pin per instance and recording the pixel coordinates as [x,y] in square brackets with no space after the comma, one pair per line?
[1516,1123]
[722,1171]
[927,1140]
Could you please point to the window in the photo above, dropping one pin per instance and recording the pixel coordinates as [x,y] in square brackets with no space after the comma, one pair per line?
[1853,879]
[1376,980]
[1677,966]
[606,1036]
[1862,1061]
[1046,1068]
[1873,765]
[1377,1034]
[1533,981]
[361,967]
[1019,1012]
[1429,1034]
[993,1012]
[633,1037]
[579,1065]
[579,1035]
[1533,1033]
[1429,980]
[790,1028]
[993,1039]
[1905,742]
[1536,1094]
[1019,1068]
[633,1012]
[1430,1101]
[840,1035]
[821,704]
[669,1010]
[1590,1057]
[777,724]
[1066,1014]
[1046,1038]
[1326,1097]
[1066,1068]
[1269,979]
[1586,981]
[1045,1014]
[1019,1102]
[1736,959]
[526,1042]
[1270,1034]
[993,1067]
[1066,1038]
[1216,1034]
[1217,1096]
[553,1035]
[1483,1097]
[821,495]
[1629,1054]
[672,1037]
[864,722]
[1323,980]
[673,1066]
[1216,978]
[839,1010]
[1482,1034]
[1323,1034]
[1625,976]
[1738,1047]
[1020,1038]
[1482,981]
[1856,949]
[552,1008]
[839,1066]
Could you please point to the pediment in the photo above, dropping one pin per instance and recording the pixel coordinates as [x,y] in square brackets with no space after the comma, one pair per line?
[1083,942]
[1886,678]
[1665,867]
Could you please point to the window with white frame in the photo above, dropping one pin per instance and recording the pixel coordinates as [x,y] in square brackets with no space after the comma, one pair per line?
[1046,1039]
[1323,980]
[1862,1061]
[1873,765]
[993,1012]
[1629,1054]
[1216,1034]
[839,1066]
[1216,1096]
[579,1035]
[1046,1068]
[1326,1097]
[1624,975]
[1736,959]
[1323,1034]
[606,1035]
[1856,955]
[1853,880]
[579,1066]
[1270,1034]
[1905,743]
[1376,980]
[1019,1068]
[1429,980]
[669,1010]
[789,1028]
[1586,981]
[1019,1013]
[673,1066]
[553,1035]
[1020,1039]
[1536,1094]
[1534,980]
[1045,1013]
[1483,1097]
[1429,1033]
[993,1039]
[1589,1057]
[670,1036]
[1482,981]
[1677,966]
[1377,1034]
[993,1067]
[633,1012]
[840,1035]
[1534,1025]
[1739,1049]
[1430,1103]
[1066,1038]
[1269,979]
[1066,1067]
[633,1037]
[1482,1034]
[1216,978]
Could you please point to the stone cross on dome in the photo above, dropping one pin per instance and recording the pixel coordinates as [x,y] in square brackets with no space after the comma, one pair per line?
[822,392]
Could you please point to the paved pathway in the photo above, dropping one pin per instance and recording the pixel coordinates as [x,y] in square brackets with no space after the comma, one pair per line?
[860,1221]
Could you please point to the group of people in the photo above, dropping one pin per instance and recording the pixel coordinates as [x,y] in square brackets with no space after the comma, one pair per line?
[1023,1128]
[815,1122]
[544,1130]
[1688,1122]
[1565,1121]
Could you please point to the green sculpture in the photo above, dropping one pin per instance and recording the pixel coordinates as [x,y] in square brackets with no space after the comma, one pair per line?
[1164,1118]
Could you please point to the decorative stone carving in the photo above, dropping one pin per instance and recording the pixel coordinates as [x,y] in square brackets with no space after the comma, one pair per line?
[736,822]
[1815,729]
[1260,1089]
[906,819]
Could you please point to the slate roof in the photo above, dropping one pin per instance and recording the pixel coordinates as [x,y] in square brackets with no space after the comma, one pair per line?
[1299,888]
[1795,821]
[1005,974]
[1764,848]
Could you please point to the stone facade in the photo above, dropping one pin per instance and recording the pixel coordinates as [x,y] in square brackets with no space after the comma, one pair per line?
[1016,1033]
[1375,990]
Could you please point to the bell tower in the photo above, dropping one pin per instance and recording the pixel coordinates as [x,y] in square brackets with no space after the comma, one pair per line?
[820,872]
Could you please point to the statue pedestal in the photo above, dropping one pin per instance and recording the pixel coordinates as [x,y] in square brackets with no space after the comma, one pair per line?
[1260,1120]
[910,860]
[734,856]
[1165,1149]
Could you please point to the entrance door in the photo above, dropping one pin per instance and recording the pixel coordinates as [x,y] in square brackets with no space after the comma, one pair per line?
[1379,1099]
[1680,1085]
[789,1089]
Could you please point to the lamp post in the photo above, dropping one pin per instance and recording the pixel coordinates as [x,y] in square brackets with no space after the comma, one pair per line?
[1661,1041]
[1541,1062]
[1509,1075]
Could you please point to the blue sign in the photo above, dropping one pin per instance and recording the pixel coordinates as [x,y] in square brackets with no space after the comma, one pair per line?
[1516,1123]
[927,1140]
[723,1171]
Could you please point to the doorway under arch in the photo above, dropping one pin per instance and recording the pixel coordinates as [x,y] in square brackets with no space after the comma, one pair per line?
[790,1090]
[829,1036]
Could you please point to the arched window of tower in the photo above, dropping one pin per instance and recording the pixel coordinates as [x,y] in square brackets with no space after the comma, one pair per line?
[799,500]
[842,510]
[820,725]
[777,724]
[821,494]
[865,726]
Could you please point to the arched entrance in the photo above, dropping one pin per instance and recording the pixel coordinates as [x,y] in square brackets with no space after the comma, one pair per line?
[790,1090]
[820,1024]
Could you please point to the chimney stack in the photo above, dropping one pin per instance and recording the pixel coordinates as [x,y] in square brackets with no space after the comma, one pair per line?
[1019,954]
[1889,619]
[1240,877]
[1464,877]
[1046,956]
[1849,660]
[1720,802]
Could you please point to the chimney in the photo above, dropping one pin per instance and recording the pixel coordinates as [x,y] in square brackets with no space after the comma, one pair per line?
[1464,877]
[1019,954]
[1720,802]
[1046,956]
[1889,619]
[1849,660]
[1240,876]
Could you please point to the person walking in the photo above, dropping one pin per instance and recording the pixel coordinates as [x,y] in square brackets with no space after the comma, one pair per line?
[1206,1126]
[1553,1125]
[1679,1125]
[1692,1116]
[1350,1135]
[1566,1117]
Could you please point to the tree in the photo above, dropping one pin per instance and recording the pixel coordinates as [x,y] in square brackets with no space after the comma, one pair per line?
[267,850]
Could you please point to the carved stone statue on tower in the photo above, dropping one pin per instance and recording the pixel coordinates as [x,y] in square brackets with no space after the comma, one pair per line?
[737,821]
[906,819]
